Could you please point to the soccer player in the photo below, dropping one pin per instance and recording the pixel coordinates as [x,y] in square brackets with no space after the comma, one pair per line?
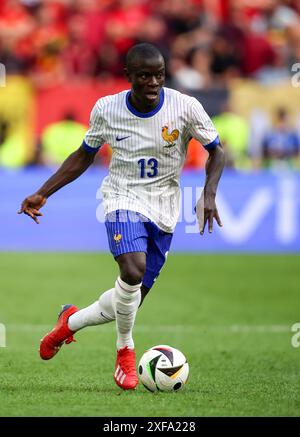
[148,128]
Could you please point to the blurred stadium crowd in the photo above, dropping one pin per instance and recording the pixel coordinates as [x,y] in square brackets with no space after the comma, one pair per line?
[209,46]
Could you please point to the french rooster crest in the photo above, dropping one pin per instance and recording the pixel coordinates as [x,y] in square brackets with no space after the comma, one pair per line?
[117,237]
[170,138]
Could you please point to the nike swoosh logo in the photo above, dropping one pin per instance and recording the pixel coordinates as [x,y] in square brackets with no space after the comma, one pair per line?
[105,317]
[122,138]
[123,314]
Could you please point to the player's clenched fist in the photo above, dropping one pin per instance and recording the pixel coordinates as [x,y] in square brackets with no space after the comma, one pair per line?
[31,205]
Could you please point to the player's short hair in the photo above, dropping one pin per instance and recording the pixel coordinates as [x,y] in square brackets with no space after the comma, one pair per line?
[142,50]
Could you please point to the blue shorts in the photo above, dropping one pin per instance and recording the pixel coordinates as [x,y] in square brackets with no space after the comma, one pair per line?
[130,231]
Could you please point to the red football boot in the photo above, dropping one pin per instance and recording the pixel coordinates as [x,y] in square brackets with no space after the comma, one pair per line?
[60,334]
[125,374]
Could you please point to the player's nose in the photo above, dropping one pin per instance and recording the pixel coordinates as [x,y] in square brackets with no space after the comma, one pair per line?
[153,81]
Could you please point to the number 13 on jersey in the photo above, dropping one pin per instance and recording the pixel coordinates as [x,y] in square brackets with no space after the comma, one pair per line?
[148,168]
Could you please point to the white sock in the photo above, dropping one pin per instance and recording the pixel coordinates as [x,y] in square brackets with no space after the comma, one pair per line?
[126,301]
[98,313]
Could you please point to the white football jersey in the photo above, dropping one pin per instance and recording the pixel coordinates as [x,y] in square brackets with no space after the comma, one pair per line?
[149,150]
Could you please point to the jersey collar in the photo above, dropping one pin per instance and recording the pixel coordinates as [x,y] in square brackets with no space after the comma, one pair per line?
[145,114]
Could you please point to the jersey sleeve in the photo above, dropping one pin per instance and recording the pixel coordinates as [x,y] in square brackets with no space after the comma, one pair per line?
[93,139]
[201,127]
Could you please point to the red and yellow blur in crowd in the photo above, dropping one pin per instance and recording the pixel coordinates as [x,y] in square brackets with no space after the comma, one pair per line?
[60,56]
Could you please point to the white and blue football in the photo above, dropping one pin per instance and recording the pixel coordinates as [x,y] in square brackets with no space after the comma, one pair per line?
[163,368]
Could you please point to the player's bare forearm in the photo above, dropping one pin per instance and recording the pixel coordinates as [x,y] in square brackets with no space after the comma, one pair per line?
[70,170]
[76,164]
[214,167]
[206,208]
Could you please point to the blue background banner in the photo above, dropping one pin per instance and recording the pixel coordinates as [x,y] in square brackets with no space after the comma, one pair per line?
[260,213]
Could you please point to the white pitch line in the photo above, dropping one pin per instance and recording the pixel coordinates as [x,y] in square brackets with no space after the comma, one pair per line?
[106,327]
[110,327]
[260,328]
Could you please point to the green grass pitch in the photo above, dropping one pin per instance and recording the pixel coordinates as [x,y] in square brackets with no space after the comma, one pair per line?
[231,315]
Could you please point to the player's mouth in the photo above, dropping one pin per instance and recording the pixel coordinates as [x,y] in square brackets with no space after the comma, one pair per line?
[152,95]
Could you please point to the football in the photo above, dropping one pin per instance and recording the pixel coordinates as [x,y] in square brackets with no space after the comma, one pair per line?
[163,368]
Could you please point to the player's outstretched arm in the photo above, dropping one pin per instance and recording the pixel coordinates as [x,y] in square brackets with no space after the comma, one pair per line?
[206,206]
[70,170]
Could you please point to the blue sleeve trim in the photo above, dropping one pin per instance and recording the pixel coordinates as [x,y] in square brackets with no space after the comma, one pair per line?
[213,144]
[89,149]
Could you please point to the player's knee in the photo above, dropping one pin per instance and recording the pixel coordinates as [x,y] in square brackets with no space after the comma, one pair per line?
[133,273]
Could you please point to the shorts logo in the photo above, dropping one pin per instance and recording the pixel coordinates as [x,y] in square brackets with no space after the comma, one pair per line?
[170,138]
[117,238]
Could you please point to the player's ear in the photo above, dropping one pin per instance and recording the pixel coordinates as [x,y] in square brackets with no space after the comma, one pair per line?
[127,75]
